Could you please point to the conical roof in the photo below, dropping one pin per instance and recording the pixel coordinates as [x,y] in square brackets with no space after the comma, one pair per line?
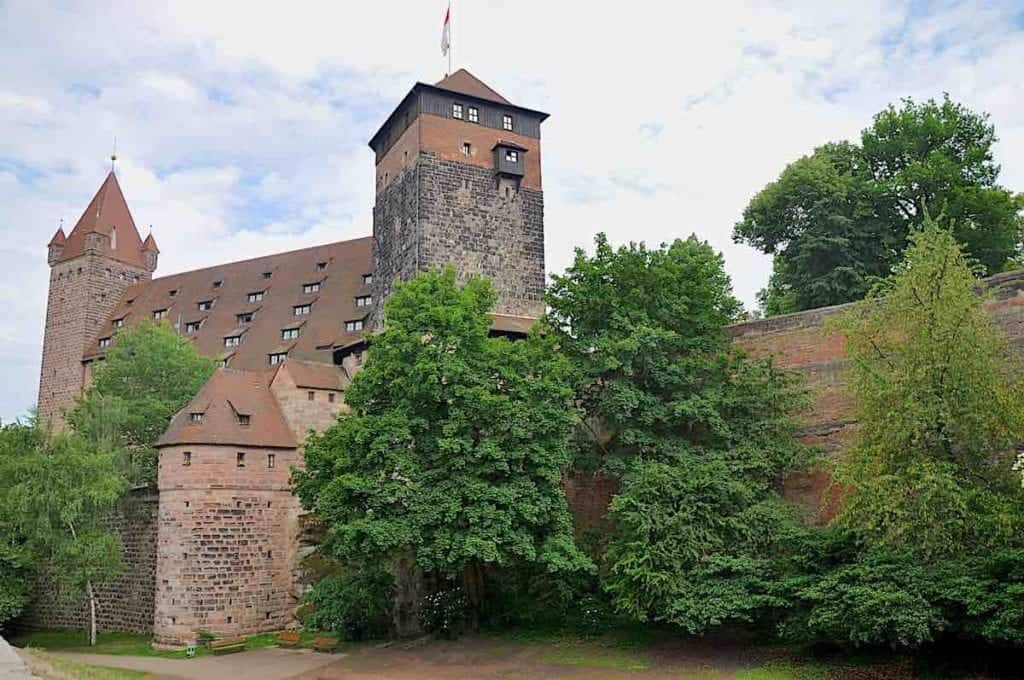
[58,238]
[149,245]
[107,214]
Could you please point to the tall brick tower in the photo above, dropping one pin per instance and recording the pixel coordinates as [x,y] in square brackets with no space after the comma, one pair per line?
[459,182]
[90,269]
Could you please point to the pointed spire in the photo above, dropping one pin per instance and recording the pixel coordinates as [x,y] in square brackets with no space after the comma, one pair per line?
[58,238]
[149,245]
[107,214]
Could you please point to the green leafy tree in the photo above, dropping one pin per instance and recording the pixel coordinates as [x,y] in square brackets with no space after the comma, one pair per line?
[698,433]
[839,219]
[15,439]
[58,493]
[453,450]
[150,372]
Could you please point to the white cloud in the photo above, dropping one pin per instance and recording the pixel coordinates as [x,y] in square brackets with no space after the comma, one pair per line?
[242,126]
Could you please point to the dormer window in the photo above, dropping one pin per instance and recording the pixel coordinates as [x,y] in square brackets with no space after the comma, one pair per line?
[172,292]
[289,333]
[301,310]
[267,275]
[311,287]
[205,305]
[367,279]
[277,357]
[457,111]
[364,300]
[196,417]
[243,419]
[117,323]
[218,283]
[352,326]
[245,317]
[159,314]
[232,340]
[506,122]
[474,114]
[256,296]
[193,326]
[320,266]
[104,342]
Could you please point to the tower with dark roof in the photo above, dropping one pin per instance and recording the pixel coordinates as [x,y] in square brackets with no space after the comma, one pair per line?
[90,268]
[458,179]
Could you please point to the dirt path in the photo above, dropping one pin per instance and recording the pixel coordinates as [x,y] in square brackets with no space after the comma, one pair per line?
[258,664]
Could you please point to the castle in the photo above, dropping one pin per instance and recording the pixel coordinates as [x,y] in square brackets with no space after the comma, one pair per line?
[458,181]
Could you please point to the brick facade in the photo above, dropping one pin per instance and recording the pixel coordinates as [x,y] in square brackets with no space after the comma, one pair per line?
[82,293]
[228,540]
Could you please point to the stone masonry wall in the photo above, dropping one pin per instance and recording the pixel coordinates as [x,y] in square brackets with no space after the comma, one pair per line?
[305,408]
[228,542]
[125,604]
[82,293]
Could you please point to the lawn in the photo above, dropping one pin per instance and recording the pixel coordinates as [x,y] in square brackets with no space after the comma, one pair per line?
[52,663]
[120,644]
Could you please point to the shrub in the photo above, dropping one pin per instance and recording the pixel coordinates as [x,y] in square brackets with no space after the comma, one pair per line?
[356,606]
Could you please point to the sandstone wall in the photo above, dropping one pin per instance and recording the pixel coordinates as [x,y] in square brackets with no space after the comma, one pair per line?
[125,604]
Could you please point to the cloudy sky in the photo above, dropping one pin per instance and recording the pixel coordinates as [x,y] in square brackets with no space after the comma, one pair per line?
[241,127]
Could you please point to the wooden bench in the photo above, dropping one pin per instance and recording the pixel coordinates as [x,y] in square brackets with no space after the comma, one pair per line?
[227,645]
[325,644]
[288,638]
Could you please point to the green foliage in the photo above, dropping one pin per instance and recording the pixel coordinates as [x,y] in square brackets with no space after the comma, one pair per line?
[455,444]
[698,433]
[356,605]
[939,394]
[840,218]
[443,612]
[15,439]
[148,375]
[58,493]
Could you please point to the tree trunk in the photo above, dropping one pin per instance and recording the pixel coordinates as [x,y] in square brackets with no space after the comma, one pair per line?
[92,613]
[473,584]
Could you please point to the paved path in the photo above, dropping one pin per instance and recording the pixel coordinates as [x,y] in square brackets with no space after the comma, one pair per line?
[11,665]
[257,664]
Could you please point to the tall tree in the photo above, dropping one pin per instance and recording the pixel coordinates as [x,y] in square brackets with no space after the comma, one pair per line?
[15,439]
[150,372]
[839,219]
[698,433]
[454,446]
[58,496]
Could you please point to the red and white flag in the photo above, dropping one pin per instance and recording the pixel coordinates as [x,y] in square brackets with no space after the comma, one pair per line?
[446,32]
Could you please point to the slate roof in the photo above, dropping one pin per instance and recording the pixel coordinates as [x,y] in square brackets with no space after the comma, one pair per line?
[340,282]
[226,395]
[107,210]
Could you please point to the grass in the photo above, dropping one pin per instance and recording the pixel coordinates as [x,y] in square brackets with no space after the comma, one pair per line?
[776,670]
[124,644]
[578,653]
[81,671]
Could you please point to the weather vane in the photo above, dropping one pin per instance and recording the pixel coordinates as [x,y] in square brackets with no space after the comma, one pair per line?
[113,155]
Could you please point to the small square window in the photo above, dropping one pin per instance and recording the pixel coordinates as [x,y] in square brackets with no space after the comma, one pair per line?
[267,275]
[321,266]
[311,395]
[129,301]
[195,417]
[159,314]
[271,460]
[240,459]
[352,326]
[367,279]
[277,358]
[506,122]
[512,156]
[474,114]
[232,340]
[330,397]
[311,287]
[117,323]
[218,283]
[173,292]
[243,420]
[245,317]
[256,296]
[186,460]
[223,363]
[364,301]
[104,342]
[301,310]
[193,326]
[205,305]
[457,111]
[467,149]
[289,333]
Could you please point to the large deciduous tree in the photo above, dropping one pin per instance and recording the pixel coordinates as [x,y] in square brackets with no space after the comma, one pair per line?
[149,373]
[839,219]
[15,439]
[698,433]
[58,493]
[454,446]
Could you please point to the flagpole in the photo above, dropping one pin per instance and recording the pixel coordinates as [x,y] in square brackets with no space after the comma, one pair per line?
[450,39]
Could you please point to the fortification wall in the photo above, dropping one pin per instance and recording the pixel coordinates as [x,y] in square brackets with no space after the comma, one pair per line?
[125,604]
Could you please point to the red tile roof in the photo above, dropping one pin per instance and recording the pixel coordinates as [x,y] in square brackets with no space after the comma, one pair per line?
[312,375]
[227,395]
[58,238]
[150,244]
[341,281]
[107,210]
[464,82]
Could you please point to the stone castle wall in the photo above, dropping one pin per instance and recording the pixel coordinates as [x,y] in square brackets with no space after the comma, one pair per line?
[82,293]
[125,604]
[228,541]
